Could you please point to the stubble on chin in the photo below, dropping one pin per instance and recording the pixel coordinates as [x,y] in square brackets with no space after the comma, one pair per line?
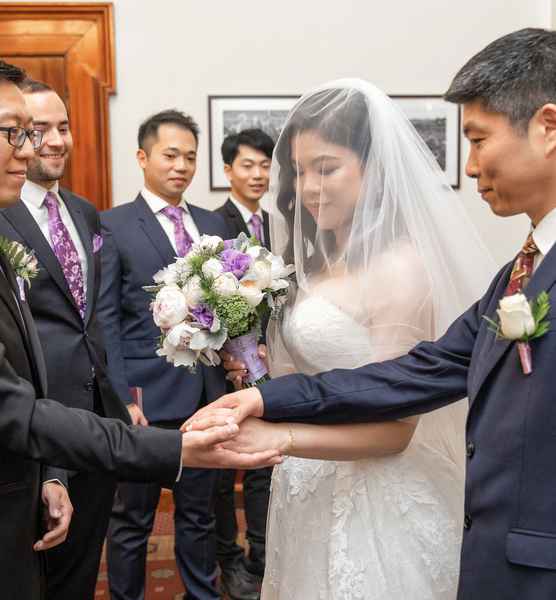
[38,173]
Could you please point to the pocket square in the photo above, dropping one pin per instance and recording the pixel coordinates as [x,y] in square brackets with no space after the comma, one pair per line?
[97,242]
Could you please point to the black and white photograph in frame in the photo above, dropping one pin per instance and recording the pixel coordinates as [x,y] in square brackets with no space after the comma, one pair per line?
[438,123]
[232,114]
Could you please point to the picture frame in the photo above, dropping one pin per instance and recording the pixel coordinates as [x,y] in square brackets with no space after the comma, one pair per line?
[439,124]
[231,114]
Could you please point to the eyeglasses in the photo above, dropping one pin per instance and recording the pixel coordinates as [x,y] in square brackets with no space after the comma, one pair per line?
[17,135]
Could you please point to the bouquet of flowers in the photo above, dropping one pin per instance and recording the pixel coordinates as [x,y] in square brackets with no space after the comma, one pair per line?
[215,296]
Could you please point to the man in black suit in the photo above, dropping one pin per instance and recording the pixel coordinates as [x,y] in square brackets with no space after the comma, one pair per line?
[34,429]
[247,156]
[66,335]
[141,238]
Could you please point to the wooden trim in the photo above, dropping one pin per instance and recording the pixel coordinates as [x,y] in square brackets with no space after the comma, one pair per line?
[83,34]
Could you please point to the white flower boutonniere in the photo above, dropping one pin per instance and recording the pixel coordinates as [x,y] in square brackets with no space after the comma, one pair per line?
[22,261]
[522,321]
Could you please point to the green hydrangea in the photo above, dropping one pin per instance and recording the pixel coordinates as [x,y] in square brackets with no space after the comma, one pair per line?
[236,314]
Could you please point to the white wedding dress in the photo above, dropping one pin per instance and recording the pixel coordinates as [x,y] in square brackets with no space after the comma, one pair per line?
[375,529]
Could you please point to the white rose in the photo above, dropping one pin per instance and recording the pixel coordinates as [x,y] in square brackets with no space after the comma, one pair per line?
[251,293]
[169,307]
[175,346]
[209,242]
[254,251]
[212,268]
[167,275]
[516,318]
[226,284]
[193,291]
[260,273]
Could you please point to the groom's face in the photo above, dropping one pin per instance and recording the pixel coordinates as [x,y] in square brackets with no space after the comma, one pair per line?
[510,166]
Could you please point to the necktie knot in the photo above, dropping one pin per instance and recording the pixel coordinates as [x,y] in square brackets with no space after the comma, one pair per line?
[174,213]
[529,247]
[50,201]
[522,270]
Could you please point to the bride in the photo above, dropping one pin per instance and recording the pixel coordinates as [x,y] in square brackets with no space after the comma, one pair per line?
[385,258]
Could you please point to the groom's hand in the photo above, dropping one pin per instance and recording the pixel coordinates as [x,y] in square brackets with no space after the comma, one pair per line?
[204,449]
[230,409]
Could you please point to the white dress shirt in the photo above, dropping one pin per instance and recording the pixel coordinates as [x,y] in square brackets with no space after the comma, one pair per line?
[544,235]
[247,214]
[156,204]
[33,196]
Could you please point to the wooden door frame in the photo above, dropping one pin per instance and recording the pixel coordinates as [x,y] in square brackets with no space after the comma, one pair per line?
[83,33]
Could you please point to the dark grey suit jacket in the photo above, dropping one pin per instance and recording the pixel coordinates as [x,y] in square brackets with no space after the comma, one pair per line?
[237,225]
[35,430]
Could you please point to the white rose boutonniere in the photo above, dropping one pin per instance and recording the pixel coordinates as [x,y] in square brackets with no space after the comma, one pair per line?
[22,261]
[521,320]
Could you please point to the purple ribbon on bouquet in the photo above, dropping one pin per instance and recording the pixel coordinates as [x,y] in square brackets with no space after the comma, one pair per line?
[245,349]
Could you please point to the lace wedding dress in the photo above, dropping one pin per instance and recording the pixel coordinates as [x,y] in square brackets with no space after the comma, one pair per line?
[376,529]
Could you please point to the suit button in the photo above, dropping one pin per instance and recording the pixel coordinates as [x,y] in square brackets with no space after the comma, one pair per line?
[467,522]
[470,449]
[89,386]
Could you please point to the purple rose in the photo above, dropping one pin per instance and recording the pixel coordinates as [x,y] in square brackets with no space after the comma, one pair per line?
[203,314]
[235,262]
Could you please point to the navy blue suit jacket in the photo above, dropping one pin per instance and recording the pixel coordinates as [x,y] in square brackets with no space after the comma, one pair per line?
[135,247]
[509,543]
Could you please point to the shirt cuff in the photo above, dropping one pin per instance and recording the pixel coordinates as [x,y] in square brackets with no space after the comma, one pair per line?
[60,483]
[179,472]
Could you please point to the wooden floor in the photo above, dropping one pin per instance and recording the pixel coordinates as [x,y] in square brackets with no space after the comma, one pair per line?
[163,580]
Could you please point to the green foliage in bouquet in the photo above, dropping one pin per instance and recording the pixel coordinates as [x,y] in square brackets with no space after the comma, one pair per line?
[238,315]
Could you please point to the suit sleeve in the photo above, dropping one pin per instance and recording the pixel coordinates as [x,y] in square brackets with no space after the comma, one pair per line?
[47,431]
[430,376]
[108,311]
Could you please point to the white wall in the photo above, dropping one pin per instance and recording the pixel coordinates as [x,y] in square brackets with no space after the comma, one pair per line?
[174,53]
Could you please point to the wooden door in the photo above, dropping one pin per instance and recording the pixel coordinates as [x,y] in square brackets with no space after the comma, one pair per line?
[70,47]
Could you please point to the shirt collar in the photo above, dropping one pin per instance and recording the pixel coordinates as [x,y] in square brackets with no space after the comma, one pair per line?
[156,203]
[544,233]
[245,212]
[33,193]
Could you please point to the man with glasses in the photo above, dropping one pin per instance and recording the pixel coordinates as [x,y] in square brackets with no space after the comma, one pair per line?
[34,429]
[63,301]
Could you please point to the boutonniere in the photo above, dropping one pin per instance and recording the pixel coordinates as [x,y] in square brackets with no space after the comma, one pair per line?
[97,242]
[522,321]
[23,262]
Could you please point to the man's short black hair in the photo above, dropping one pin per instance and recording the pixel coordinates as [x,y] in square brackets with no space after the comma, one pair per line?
[254,138]
[11,73]
[514,75]
[33,86]
[149,128]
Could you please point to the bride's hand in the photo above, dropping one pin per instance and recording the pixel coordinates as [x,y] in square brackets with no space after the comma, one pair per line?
[256,435]
[235,369]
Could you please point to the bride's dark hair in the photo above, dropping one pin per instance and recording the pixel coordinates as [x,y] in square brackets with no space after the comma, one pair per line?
[340,116]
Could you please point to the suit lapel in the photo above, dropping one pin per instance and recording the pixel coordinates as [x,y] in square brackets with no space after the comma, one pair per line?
[22,220]
[266,229]
[236,219]
[86,239]
[204,221]
[22,316]
[492,349]
[154,232]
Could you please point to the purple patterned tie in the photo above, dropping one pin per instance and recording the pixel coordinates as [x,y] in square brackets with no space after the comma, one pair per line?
[66,252]
[256,227]
[183,239]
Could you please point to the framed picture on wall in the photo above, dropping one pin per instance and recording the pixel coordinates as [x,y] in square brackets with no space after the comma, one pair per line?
[438,123]
[232,114]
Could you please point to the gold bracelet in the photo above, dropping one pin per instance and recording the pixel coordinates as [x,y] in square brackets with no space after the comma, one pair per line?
[291,442]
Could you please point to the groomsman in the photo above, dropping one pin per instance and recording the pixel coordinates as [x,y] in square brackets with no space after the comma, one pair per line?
[64,232]
[33,428]
[247,156]
[140,238]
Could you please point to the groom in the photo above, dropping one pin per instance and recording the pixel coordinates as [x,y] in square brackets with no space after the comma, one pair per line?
[508,93]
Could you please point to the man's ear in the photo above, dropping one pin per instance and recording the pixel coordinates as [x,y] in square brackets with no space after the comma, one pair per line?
[142,158]
[228,172]
[547,118]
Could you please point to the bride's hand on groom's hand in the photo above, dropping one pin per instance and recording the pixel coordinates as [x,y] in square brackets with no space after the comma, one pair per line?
[231,408]
[257,436]
[235,369]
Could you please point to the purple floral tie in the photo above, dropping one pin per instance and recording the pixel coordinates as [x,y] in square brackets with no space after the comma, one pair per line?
[183,239]
[66,253]
[256,227]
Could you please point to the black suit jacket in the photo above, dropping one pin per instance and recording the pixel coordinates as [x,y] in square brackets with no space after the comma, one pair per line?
[34,429]
[236,224]
[67,338]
